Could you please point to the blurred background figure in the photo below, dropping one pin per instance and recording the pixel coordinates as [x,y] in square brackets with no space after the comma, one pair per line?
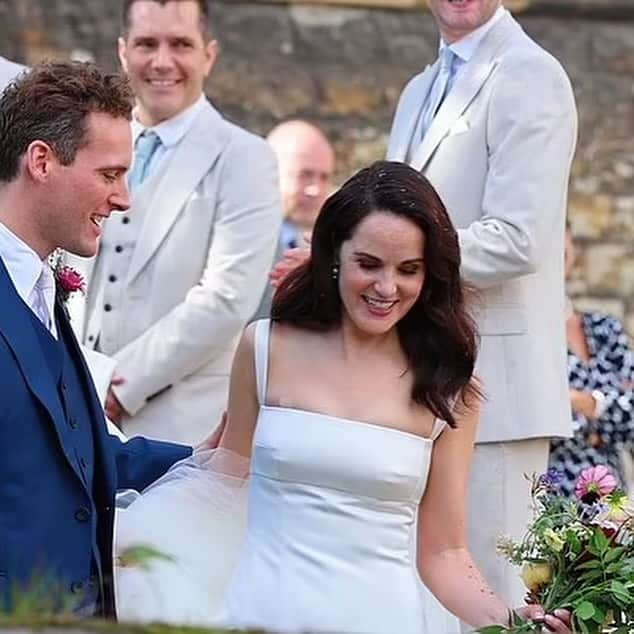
[306,163]
[8,71]
[601,375]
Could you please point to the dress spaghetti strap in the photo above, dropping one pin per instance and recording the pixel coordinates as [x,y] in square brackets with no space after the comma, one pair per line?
[440,425]
[437,429]
[261,344]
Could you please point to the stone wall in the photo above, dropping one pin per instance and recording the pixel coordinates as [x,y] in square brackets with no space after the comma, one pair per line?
[343,67]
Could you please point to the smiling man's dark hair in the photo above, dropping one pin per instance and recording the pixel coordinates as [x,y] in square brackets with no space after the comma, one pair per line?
[51,103]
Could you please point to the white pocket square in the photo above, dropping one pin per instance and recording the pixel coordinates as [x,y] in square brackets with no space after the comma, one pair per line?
[460,126]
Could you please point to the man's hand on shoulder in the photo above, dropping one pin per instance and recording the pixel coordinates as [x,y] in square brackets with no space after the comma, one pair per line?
[291,259]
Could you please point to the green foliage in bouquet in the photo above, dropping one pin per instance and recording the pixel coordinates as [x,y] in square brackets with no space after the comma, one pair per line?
[577,554]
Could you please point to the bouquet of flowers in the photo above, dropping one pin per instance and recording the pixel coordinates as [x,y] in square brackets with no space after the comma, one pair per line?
[578,554]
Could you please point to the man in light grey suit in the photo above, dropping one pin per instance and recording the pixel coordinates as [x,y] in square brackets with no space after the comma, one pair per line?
[178,276]
[492,124]
[8,71]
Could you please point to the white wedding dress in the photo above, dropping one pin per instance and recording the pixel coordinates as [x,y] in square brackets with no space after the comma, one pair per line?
[329,544]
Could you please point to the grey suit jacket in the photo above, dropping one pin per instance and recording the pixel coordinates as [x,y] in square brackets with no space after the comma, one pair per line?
[197,274]
[8,71]
[499,153]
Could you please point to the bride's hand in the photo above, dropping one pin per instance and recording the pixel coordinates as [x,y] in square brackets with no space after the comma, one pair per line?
[559,622]
[213,440]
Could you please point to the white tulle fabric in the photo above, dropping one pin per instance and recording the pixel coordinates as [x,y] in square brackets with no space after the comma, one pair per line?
[195,515]
[330,538]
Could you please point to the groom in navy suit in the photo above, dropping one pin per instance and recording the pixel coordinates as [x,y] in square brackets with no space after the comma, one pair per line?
[64,150]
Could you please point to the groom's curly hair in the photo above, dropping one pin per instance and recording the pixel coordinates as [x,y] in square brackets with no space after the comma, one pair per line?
[438,335]
[51,103]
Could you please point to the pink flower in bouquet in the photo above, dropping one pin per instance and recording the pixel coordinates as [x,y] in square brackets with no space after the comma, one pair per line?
[595,482]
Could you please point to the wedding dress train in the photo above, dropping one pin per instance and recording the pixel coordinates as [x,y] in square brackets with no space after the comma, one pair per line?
[329,544]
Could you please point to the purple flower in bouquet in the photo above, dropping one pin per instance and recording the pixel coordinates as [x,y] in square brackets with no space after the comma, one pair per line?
[594,484]
[551,479]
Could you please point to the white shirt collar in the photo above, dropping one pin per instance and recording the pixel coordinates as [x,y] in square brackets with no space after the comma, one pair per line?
[466,47]
[171,131]
[25,267]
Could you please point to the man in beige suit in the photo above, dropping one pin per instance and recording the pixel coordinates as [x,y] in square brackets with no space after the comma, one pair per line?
[8,71]
[178,276]
[492,124]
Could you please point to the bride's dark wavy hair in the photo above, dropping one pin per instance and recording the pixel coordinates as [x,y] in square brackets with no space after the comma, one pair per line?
[437,334]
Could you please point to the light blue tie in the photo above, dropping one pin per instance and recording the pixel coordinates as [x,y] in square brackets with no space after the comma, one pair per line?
[439,89]
[146,144]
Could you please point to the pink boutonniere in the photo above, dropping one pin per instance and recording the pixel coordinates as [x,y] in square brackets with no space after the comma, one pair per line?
[69,281]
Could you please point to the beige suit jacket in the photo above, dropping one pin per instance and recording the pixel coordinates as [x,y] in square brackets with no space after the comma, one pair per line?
[196,276]
[8,71]
[499,153]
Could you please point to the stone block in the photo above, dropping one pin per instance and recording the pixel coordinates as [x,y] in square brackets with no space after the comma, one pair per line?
[608,268]
[590,214]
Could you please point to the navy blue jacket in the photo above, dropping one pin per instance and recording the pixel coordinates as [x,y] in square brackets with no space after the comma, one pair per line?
[59,468]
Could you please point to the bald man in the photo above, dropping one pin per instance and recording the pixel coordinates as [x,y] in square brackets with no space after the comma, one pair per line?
[306,162]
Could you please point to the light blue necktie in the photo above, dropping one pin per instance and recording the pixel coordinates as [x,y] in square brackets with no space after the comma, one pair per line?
[439,89]
[146,144]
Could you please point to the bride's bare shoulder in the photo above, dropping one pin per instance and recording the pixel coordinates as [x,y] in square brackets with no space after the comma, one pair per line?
[288,337]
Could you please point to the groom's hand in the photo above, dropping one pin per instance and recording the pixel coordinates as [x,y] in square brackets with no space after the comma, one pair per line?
[114,409]
[213,440]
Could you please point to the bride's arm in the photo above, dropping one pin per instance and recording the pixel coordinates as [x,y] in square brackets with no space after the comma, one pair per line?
[243,407]
[444,561]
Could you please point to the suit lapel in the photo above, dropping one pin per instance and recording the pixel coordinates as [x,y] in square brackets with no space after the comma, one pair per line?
[22,340]
[98,424]
[191,160]
[405,124]
[465,89]
[75,352]
[467,86]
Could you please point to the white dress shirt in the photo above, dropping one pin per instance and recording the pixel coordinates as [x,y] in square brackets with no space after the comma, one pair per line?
[25,267]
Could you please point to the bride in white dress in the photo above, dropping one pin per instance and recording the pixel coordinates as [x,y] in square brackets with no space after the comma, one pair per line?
[354,415]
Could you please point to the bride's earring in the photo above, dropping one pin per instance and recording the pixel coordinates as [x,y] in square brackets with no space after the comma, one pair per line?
[335,272]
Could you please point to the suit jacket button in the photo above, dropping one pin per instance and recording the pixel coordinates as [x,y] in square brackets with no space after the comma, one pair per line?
[73,423]
[77,587]
[82,514]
